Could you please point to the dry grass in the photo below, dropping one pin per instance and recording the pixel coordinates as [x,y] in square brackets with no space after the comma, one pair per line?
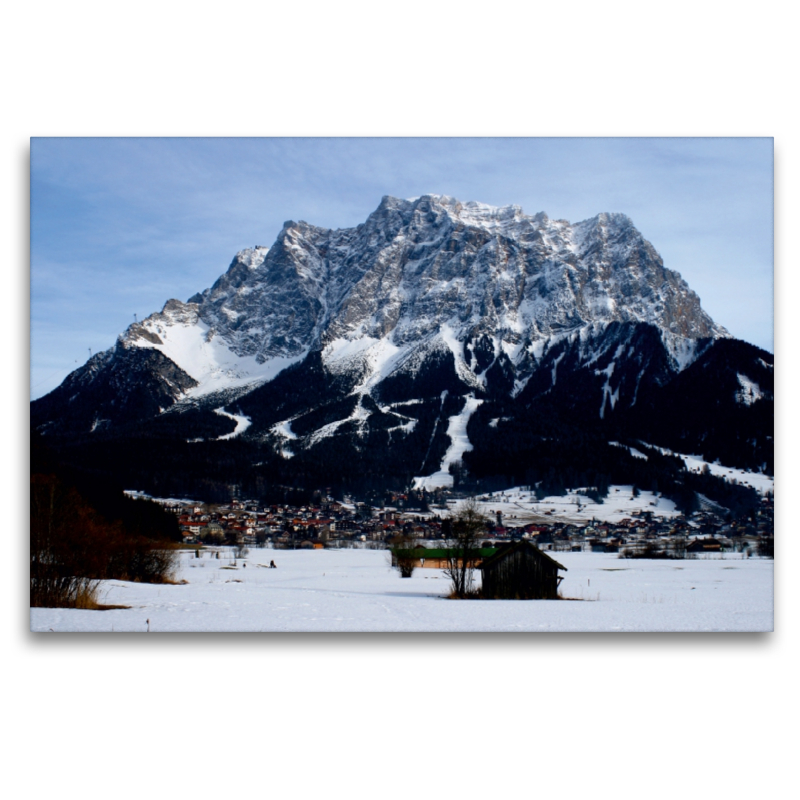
[474,594]
[85,595]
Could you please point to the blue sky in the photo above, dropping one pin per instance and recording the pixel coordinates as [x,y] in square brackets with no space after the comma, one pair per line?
[119,226]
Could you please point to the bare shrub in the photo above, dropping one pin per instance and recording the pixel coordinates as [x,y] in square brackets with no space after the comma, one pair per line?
[404,559]
[472,594]
[650,550]
[766,546]
[143,561]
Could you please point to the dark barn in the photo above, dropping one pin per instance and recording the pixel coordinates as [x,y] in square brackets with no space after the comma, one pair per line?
[520,571]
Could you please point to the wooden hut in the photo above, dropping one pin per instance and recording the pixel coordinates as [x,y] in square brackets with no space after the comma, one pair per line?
[521,571]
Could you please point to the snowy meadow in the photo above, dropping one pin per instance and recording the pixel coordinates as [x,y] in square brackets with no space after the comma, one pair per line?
[352,590]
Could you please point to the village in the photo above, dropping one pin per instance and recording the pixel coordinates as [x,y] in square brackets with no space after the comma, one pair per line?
[641,533]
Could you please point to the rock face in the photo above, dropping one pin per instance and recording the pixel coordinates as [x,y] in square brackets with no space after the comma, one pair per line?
[428,299]
[415,266]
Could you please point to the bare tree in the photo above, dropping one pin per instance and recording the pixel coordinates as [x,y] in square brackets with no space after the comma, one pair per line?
[467,528]
[678,543]
[404,559]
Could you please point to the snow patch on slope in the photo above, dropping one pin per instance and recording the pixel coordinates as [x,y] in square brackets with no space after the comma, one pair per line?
[242,424]
[761,483]
[359,415]
[750,391]
[632,450]
[608,395]
[283,430]
[456,347]
[459,444]
[378,358]
[193,346]
[684,352]
[556,362]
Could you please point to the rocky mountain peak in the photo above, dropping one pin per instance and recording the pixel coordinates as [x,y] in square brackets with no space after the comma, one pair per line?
[430,274]
[417,263]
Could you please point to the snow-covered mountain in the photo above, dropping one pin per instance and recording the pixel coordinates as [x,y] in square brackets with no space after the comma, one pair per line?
[430,272]
[404,326]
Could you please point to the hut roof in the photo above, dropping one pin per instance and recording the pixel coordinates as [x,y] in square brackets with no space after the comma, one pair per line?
[507,549]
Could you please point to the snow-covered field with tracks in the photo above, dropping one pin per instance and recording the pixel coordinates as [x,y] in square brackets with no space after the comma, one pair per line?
[356,590]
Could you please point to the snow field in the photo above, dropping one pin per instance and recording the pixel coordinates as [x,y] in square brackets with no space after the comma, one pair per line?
[761,483]
[756,480]
[356,590]
[519,506]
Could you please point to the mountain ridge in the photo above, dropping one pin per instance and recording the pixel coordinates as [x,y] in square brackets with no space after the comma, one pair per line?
[337,341]
[389,278]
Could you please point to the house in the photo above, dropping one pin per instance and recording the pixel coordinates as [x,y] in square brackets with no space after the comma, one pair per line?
[704,546]
[213,529]
[439,557]
[521,571]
